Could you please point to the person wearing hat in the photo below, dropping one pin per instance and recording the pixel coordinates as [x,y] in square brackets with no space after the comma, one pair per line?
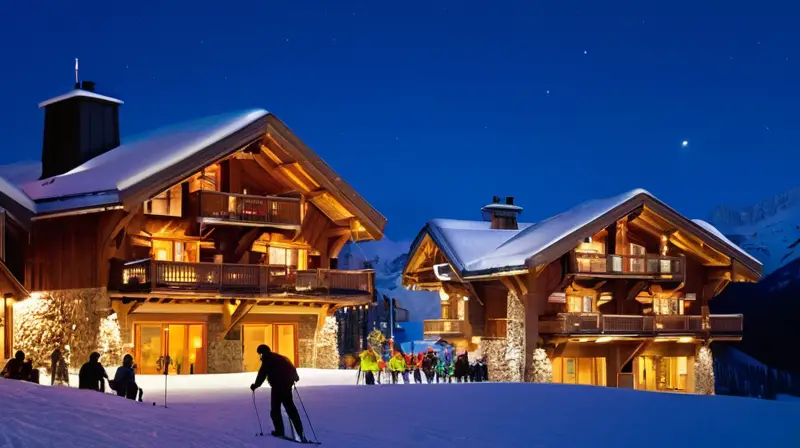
[92,375]
[281,375]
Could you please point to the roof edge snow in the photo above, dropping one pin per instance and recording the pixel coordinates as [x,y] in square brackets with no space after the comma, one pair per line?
[78,93]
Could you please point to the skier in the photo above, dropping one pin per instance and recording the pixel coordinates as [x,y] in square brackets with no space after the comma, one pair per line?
[369,365]
[125,380]
[428,365]
[462,368]
[92,375]
[15,368]
[416,366]
[58,369]
[397,365]
[409,358]
[281,376]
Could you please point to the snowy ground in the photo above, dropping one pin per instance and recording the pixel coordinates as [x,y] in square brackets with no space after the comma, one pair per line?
[217,411]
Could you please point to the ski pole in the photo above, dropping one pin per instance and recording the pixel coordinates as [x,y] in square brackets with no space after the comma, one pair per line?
[313,433]
[258,417]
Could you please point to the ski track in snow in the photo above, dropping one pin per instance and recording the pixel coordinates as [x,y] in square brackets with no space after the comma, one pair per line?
[217,411]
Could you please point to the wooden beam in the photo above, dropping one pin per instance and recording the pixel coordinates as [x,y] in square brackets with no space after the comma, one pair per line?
[336,245]
[522,282]
[233,318]
[636,289]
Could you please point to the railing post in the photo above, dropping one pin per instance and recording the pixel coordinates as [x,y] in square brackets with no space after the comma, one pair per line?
[152,274]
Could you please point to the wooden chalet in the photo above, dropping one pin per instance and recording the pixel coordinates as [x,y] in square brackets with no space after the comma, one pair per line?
[206,238]
[615,290]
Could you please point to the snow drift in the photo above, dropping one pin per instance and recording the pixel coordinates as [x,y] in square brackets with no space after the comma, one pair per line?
[217,411]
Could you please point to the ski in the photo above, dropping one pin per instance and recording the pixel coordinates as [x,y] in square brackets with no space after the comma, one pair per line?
[307,442]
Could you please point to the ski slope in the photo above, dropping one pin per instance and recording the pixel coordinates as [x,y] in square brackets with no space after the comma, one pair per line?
[217,411]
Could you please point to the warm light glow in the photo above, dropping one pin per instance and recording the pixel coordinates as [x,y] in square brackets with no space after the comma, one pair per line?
[604,339]
[466,299]
[583,340]
[686,339]
[198,342]
[35,296]
[161,255]
[443,295]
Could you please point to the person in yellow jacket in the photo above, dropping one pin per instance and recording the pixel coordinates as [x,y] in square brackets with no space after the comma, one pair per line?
[369,365]
[397,365]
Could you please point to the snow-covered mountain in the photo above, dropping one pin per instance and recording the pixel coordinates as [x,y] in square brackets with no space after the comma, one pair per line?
[769,230]
[388,257]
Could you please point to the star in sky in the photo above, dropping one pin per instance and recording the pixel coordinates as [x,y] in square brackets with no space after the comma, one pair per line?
[685,143]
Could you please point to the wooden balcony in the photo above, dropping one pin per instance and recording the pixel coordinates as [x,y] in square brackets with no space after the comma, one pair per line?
[632,266]
[247,210]
[152,275]
[596,323]
[444,327]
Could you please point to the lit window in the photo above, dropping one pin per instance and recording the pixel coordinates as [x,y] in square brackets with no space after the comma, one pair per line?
[580,304]
[167,203]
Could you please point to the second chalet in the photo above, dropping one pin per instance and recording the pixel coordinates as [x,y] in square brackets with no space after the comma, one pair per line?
[616,291]
[206,238]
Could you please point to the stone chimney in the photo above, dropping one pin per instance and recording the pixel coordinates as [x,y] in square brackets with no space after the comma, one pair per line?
[502,216]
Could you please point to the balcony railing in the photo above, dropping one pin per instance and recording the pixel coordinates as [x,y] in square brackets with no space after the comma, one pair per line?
[596,323]
[247,209]
[152,275]
[632,265]
[442,327]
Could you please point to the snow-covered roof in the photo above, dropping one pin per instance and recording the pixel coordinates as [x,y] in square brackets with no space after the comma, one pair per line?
[473,248]
[76,93]
[104,176]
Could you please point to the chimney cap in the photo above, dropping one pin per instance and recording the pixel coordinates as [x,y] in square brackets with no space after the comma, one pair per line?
[79,93]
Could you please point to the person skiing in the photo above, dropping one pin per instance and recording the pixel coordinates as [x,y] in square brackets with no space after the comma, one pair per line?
[15,368]
[397,365]
[462,368]
[92,375]
[125,380]
[417,365]
[369,365]
[281,376]
[428,365]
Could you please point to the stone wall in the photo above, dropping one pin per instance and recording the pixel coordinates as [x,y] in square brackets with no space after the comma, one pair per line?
[68,320]
[327,346]
[224,355]
[306,334]
[515,337]
[505,357]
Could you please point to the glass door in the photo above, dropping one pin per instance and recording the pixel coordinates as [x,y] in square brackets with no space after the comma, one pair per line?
[149,348]
[185,344]
[252,337]
[281,339]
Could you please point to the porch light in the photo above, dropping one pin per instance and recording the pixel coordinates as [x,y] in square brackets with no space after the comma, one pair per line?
[604,339]
[466,298]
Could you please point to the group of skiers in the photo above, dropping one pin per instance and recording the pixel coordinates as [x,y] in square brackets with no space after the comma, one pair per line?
[435,368]
[92,375]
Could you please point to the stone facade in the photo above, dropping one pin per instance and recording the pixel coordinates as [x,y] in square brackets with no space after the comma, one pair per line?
[704,372]
[515,337]
[327,347]
[224,355]
[66,319]
[505,357]
[306,332]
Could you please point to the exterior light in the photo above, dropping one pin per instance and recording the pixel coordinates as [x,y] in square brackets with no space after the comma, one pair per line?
[583,340]
[466,298]
[604,339]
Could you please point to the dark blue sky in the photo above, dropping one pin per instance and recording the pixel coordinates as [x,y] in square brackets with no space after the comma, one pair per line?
[430,108]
